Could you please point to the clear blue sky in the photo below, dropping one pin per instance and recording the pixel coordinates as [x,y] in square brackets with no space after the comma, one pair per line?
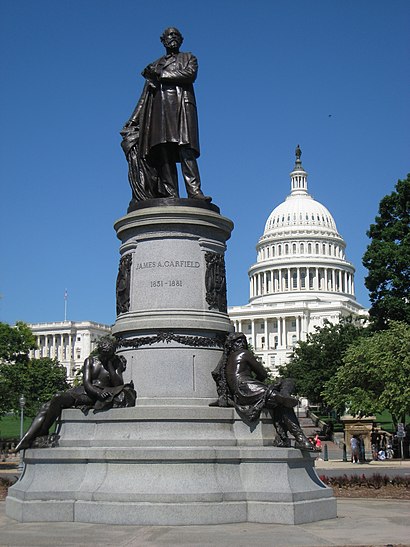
[332,76]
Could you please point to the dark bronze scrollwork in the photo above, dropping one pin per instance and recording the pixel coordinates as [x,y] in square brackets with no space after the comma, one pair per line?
[168,337]
[215,281]
[123,284]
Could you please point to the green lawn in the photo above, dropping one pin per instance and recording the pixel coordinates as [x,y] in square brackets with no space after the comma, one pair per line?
[10,427]
[384,420]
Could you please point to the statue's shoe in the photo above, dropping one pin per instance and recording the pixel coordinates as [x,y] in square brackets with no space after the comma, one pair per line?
[22,445]
[201,196]
[306,445]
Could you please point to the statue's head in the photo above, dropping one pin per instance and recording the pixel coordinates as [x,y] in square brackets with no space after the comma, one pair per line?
[172,38]
[106,346]
[235,341]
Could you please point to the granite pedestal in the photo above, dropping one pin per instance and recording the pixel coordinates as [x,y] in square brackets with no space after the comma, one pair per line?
[168,465]
[172,459]
[172,322]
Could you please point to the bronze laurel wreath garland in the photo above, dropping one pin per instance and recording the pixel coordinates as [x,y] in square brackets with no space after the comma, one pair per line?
[168,337]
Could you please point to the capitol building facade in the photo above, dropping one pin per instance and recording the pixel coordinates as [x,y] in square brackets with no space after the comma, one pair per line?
[301,277]
[71,342]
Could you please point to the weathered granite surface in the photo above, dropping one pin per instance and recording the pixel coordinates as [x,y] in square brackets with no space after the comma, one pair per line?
[173,329]
[168,465]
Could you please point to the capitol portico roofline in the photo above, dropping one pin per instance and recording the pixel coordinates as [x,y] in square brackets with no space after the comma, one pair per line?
[301,276]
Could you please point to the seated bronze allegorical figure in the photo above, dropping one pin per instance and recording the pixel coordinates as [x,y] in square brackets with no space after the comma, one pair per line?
[240,383]
[103,388]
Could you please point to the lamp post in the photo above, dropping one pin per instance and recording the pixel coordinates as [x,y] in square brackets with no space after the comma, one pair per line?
[22,402]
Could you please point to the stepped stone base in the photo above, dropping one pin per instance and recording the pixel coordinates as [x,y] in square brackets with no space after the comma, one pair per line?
[168,465]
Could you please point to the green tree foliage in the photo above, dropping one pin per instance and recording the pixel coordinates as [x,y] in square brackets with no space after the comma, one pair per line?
[387,258]
[315,361]
[37,379]
[15,342]
[374,375]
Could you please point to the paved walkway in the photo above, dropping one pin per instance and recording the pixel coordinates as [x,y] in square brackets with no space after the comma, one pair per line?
[360,522]
[402,466]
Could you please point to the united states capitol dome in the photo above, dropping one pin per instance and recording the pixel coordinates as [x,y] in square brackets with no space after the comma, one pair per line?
[301,277]
[300,210]
[300,248]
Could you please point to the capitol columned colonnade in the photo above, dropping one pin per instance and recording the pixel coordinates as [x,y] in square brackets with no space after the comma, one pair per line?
[68,341]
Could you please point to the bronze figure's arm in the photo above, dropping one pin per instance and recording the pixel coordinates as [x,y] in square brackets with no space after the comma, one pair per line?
[89,370]
[180,73]
[257,368]
[115,368]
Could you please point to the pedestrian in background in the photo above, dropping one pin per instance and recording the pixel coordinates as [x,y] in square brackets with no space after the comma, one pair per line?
[354,446]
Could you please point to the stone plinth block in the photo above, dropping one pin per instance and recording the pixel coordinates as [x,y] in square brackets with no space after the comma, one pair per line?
[168,465]
[171,298]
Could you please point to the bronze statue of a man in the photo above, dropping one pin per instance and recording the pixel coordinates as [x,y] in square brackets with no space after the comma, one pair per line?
[163,129]
[240,379]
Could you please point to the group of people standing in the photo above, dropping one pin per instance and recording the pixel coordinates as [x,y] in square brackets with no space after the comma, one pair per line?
[381,445]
